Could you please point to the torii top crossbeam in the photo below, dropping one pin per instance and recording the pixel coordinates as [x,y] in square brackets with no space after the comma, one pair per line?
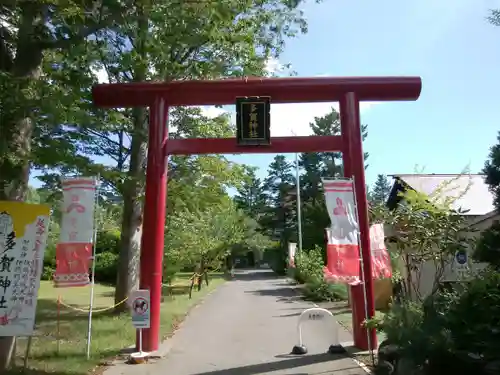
[281,90]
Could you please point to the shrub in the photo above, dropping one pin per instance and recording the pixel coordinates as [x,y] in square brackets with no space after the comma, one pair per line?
[108,241]
[452,331]
[488,246]
[309,265]
[106,267]
[319,290]
[309,271]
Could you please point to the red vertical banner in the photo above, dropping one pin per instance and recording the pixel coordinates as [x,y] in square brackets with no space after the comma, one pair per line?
[74,250]
[381,261]
[342,246]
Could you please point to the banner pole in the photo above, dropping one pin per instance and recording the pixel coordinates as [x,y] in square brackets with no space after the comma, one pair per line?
[299,203]
[92,279]
[370,348]
[58,323]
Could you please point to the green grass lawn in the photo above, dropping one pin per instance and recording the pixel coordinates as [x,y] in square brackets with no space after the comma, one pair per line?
[110,333]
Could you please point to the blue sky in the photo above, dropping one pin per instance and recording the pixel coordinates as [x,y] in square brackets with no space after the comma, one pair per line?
[448,43]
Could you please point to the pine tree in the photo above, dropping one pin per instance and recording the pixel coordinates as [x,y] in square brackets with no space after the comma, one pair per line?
[315,167]
[381,189]
[251,197]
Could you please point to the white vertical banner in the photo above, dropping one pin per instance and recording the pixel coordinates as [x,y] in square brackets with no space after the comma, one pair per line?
[340,203]
[343,258]
[292,248]
[74,250]
[78,210]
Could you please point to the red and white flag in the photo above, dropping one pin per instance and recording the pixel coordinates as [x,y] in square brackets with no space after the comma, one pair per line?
[342,247]
[74,250]
[381,262]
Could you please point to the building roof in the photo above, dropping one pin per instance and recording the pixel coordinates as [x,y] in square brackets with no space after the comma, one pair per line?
[478,200]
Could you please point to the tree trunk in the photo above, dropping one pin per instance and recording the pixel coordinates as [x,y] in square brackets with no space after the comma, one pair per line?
[16,126]
[128,269]
[130,241]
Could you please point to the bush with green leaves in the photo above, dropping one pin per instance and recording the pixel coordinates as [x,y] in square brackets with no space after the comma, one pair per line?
[319,290]
[106,267]
[309,271]
[309,265]
[454,331]
[488,246]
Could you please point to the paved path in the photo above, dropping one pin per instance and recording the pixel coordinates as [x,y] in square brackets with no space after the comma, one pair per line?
[248,327]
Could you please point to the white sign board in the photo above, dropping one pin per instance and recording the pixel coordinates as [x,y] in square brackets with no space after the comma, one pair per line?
[23,237]
[140,306]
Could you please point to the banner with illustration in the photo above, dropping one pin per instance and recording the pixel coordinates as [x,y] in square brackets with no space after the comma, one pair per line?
[343,251]
[342,247]
[292,249]
[74,250]
[23,239]
[381,261]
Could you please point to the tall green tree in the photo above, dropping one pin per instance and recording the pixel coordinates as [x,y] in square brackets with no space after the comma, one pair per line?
[29,32]
[381,189]
[315,167]
[280,216]
[488,246]
[251,197]
[231,38]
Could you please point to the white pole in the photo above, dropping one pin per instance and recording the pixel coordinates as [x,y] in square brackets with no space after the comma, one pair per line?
[140,341]
[92,280]
[299,204]
[370,348]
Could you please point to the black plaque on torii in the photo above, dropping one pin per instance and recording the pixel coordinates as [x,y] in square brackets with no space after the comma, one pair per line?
[253,121]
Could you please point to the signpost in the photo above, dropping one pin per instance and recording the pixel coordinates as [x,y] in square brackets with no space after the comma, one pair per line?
[253,121]
[139,305]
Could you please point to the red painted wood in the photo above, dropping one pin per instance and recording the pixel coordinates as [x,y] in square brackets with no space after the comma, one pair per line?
[279,145]
[348,90]
[281,90]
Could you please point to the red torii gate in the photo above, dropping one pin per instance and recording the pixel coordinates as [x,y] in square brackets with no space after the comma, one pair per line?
[349,91]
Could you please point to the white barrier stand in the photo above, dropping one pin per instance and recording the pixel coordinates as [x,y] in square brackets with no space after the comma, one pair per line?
[317,314]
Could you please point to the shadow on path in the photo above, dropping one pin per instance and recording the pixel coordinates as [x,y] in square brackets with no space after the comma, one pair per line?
[285,364]
[253,274]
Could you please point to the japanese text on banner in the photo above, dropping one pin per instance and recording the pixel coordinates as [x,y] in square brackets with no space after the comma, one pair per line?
[23,238]
[78,210]
[74,251]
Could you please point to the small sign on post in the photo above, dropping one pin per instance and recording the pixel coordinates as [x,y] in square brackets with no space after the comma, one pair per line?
[253,121]
[461,263]
[139,306]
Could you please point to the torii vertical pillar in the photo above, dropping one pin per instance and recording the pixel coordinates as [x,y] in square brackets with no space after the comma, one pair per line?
[153,229]
[354,165]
